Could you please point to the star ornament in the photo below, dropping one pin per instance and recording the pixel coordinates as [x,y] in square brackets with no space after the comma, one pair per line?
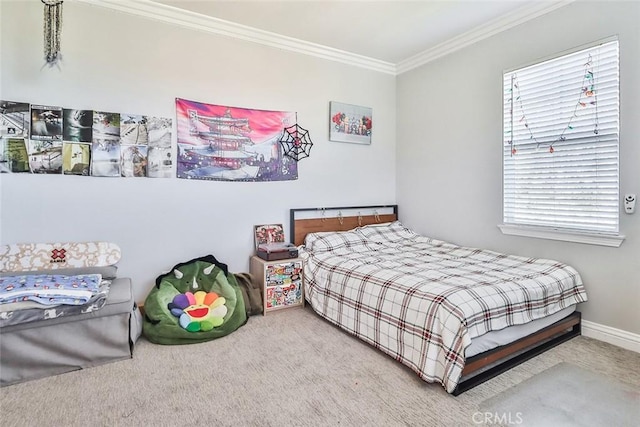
[296,142]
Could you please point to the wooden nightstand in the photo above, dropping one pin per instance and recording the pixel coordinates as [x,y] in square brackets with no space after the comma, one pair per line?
[281,282]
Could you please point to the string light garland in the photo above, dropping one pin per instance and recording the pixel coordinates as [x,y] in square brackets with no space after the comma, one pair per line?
[588,96]
[52,31]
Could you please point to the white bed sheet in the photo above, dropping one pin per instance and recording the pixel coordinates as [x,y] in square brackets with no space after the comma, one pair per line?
[494,339]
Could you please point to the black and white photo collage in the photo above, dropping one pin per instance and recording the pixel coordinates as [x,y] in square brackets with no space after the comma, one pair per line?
[57,140]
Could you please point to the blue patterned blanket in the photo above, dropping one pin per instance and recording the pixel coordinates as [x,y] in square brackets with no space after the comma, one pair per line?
[49,289]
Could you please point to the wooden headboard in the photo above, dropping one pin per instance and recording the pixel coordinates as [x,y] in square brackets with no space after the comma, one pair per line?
[336,219]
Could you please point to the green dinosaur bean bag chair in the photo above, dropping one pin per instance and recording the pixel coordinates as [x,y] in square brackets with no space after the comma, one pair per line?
[199,300]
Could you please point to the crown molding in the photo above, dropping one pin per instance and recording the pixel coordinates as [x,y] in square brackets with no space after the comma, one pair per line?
[196,21]
[200,22]
[482,32]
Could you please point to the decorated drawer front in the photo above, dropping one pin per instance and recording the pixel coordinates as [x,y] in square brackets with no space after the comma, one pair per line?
[280,296]
[283,284]
[283,273]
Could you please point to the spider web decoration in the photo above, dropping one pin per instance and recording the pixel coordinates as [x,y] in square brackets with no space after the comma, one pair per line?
[296,142]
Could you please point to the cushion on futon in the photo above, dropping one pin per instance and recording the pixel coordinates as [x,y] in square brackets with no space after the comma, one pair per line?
[108,272]
[199,300]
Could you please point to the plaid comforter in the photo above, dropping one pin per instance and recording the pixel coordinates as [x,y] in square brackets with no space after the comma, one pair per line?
[422,300]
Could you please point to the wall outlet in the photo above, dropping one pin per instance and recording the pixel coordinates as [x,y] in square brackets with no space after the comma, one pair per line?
[629,203]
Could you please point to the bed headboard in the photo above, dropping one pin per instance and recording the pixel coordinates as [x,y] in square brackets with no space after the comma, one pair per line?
[310,220]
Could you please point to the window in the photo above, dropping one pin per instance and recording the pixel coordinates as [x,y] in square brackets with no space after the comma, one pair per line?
[560,171]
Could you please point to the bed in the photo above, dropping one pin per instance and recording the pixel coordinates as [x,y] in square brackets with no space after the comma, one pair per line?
[456,316]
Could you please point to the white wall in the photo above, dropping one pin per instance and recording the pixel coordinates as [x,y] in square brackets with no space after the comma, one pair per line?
[450,149]
[117,62]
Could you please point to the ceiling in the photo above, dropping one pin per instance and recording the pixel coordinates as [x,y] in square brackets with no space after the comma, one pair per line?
[389,31]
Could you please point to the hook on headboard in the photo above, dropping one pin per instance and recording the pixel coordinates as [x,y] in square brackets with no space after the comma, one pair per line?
[324,212]
[340,218]
[359,219]
[376,215]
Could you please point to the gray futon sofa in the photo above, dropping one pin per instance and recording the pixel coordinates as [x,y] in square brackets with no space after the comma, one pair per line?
[67,342]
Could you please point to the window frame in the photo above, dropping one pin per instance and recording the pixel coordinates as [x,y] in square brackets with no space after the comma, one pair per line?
[614,239]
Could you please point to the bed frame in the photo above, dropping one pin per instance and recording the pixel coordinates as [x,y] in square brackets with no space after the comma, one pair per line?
[478,368]
[299,228]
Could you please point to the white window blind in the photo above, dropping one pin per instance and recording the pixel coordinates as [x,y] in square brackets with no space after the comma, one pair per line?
[561,142]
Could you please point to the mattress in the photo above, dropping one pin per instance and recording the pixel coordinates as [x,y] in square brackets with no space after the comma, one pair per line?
[494,339]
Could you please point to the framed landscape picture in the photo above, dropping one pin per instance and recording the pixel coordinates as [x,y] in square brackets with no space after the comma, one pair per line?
[350,123]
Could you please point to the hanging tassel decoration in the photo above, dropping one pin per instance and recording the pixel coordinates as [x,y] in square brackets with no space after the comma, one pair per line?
[52,31]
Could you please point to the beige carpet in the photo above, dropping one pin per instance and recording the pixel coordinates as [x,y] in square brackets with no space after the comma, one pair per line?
[568,396]
[288,368]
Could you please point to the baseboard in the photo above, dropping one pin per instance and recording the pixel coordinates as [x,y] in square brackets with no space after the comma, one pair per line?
[624,339]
